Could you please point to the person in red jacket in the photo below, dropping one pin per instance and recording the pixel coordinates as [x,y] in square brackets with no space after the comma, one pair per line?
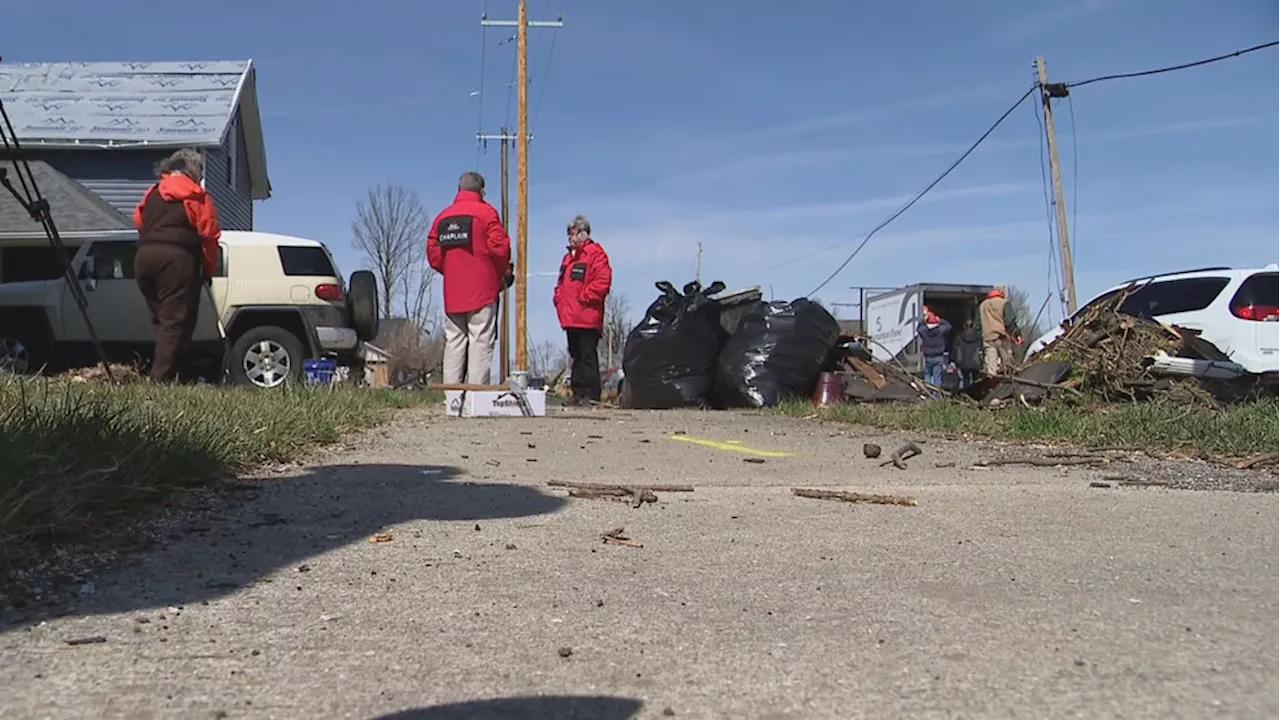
[584,283]
[469,247]
[178,234]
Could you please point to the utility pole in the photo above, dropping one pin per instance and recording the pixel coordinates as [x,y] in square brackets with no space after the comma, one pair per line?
[504,139]
[1047,91]
[697,266]
[522,25]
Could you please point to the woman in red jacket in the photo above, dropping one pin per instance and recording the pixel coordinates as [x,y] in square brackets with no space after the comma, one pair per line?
[178,234]
[584,283]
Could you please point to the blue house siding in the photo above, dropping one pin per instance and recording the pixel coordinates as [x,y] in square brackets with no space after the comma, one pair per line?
[235,203]
[118,177]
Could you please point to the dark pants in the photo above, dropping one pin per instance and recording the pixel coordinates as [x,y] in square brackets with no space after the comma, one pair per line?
[584,373]
[170,278]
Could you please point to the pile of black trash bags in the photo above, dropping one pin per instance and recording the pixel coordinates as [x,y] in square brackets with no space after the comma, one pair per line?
[681,355]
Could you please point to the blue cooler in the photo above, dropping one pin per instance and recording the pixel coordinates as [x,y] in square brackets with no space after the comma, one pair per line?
[319,371]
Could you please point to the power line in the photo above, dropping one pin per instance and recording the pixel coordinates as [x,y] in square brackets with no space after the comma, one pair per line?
[1172,68]
[1075,179]
[484,43]
[925,191]
[1053,281]
[546,73]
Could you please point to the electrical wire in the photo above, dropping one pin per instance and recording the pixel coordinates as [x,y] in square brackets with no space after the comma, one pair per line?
[1053,280]
[925,191]
[1075,180]
[546,73]
[1172,68]
[484,44]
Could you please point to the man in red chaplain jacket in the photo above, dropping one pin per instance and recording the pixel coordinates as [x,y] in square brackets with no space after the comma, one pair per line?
[584,283]
[177,253]
[469,247]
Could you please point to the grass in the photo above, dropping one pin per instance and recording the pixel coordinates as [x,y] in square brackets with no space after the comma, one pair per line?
[1240,430]
[77,458]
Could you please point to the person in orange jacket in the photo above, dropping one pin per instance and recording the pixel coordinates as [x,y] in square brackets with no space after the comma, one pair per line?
[584,283]
[178,234]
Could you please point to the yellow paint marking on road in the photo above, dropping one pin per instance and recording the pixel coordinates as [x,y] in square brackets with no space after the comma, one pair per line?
[730,445]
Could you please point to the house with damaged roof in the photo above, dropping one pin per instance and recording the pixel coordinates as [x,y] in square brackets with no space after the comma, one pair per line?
[94,132]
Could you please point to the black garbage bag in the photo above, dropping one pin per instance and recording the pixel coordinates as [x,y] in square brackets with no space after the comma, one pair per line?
[776,353]
[670,357]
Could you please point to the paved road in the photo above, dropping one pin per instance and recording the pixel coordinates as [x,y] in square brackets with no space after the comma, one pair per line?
[1007,592]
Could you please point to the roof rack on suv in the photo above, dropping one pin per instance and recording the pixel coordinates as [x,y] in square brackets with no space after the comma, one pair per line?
[1176,272]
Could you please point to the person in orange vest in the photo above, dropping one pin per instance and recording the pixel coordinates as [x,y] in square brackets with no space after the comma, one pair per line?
[178,234]
[584,283]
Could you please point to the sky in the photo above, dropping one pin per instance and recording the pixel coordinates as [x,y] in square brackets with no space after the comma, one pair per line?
[774,138]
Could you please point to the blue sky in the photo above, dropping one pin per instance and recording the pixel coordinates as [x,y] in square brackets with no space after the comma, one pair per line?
[766,134]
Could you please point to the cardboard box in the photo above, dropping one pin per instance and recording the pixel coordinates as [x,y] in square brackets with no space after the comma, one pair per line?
[494,403]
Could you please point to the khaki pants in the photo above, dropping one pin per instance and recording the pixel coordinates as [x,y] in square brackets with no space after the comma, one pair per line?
[997,355]
[468,345]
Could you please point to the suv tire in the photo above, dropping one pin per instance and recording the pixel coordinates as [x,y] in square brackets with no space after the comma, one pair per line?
[279,350]
[362,304]
[23,347]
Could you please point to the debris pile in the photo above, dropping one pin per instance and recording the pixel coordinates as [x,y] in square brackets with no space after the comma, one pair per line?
[1110,356]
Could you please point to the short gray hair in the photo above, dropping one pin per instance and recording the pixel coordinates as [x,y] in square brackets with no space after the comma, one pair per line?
[472,181]
[187,161]
[580,224]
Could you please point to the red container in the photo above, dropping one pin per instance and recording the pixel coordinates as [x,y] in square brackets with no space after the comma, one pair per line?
[830,389]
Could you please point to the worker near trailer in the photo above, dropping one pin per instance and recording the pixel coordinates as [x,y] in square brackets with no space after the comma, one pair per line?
[932,332]
[469,247]
[177,255]
[1000,332]
[966,353]
[584,283]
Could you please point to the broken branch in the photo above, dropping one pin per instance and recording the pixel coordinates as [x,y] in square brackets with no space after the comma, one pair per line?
[854,497]
[1044,462]
[615,537]
[900,456]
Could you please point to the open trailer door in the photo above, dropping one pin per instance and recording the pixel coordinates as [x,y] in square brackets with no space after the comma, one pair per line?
[891,326]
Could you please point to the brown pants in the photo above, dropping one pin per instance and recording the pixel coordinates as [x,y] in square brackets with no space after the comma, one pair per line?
[169,278]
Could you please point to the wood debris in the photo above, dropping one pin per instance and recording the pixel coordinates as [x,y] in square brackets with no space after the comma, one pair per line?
[616,537]
[94,640]
[854,497]
[900,456]
[636,495]
[1258,461]
[1046,461]
[381,537]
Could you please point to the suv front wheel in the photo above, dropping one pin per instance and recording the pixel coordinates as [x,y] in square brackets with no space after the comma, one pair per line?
[266,356]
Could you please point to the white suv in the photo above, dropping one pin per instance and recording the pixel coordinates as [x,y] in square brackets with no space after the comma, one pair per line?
[279,299]
[1235,309]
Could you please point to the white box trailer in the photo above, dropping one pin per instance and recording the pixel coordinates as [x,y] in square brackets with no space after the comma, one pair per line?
[890,318]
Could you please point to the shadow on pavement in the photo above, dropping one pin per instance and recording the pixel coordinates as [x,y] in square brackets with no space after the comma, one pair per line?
[546,707]
[262,527]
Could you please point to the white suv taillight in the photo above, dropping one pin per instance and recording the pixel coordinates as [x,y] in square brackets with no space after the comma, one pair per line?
[1259,313]
[329,291]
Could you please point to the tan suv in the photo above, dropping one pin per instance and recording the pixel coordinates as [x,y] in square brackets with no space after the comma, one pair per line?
[278,298]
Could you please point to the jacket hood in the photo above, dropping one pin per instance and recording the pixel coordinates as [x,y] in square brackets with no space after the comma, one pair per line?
[176,186]
[468,195]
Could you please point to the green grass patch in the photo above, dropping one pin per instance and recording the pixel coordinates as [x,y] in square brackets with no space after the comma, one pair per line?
[1240,430]
[77,458]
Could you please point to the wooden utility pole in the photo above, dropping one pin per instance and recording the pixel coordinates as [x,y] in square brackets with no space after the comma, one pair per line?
[697,266]
[504,337]
[1047,91]
[522,25]
[504,363]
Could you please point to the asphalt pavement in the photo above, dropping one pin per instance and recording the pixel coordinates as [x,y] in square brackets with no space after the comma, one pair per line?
[429,571]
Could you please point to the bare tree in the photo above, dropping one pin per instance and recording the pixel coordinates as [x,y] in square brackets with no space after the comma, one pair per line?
[390,230]
[546,359]
[1029,325]
[617,324]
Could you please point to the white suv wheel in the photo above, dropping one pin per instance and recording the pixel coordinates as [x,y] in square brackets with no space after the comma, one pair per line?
[14,356]
[267,363]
